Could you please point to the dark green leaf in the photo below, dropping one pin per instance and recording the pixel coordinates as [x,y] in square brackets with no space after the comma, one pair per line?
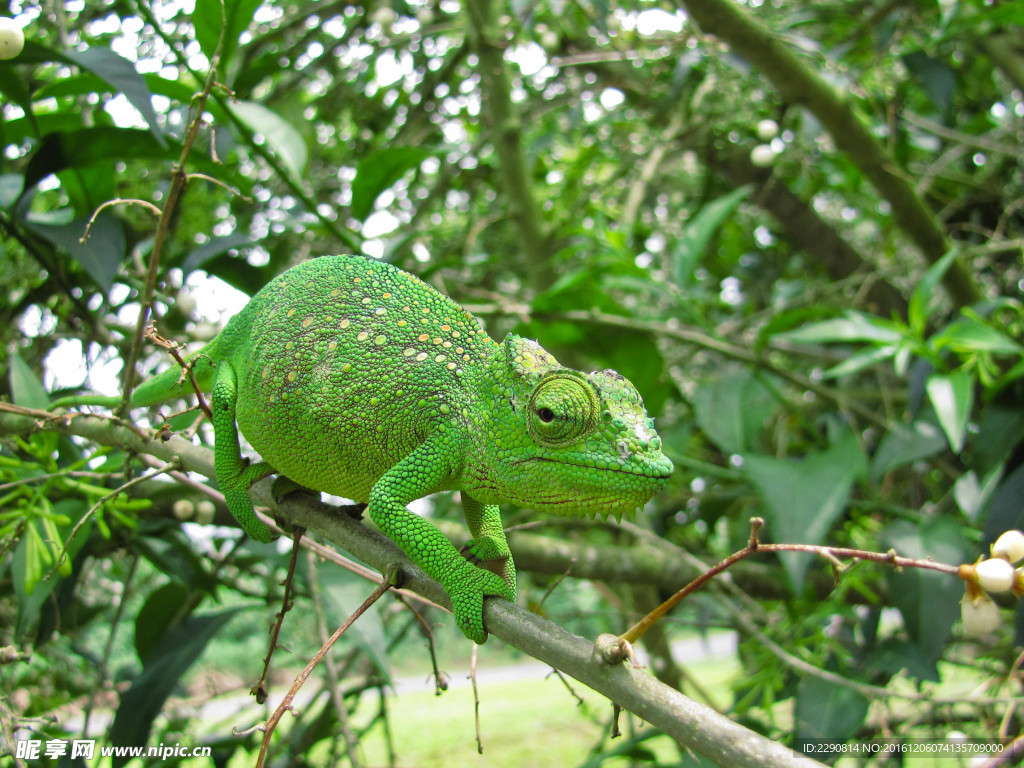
[936,78]
[378,172]
[214,247]
[968,335]
[699,231]
[929,601]
[120,74]
[828,712]
[804,497]
[904,444]
[951,396]
[102,252]
[163,609]
[142,702]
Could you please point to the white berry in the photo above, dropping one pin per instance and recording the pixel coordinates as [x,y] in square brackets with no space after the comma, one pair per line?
[1009,546]
[762,156]
[980,617]
[767,130]
[994,575]
[12,39]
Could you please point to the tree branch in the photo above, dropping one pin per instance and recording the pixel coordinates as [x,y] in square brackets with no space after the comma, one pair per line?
[693,725]
[500,116]
[800,85]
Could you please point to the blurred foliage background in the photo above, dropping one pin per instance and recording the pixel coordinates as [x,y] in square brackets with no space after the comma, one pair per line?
[796,227]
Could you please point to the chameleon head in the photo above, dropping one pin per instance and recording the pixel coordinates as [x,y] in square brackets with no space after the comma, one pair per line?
[569,442]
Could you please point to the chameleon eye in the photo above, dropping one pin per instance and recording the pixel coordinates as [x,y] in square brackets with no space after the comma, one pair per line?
[563,408]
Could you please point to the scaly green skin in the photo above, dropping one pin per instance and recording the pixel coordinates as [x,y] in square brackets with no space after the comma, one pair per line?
[352,377]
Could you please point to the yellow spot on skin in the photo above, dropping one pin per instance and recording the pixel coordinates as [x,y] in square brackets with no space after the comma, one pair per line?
[266,372]
[440,359]
[289,345]
[450,366]
[436,341]
[380,341]
[335,293]
[363,336]
[408,351]
[423,337]
[380,311]
[291,312]
[332,346]
[447,345]
[367,300]
[291,375]
[402,323]
[446,328]
[455,334]
[421,356]
[357,279]
[346,367]
[307,322]
[344,324]
[465,357]
[386,295]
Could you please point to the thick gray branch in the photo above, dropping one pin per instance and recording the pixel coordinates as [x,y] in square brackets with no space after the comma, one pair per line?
[693,725]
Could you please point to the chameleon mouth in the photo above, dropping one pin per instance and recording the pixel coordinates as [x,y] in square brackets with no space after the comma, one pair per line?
[664,475]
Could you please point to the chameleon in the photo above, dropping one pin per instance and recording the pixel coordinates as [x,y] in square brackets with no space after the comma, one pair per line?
[352,377]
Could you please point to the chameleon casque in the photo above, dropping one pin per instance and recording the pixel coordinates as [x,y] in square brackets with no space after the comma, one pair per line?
[352,377]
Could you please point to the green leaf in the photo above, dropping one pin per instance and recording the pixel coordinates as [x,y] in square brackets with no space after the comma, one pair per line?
[26,388]
[164,667]
[207,20]
[378,172]
[928,601]
[904,444]
[121,75]
[732,410]
[164,608]
[699,230]
[968,335]
[950,395]
[102,252]
[281,136]
[861,360]
[804,497]
[936,77]
[73,149]
[920,299]
[828,712]
[853,326]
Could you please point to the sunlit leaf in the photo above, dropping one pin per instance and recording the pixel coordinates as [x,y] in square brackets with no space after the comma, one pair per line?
[281,136]
[920,299]
[699,231]
[951,396]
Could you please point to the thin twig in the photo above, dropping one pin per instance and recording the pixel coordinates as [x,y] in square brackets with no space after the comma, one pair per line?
[259,689]
[286,703]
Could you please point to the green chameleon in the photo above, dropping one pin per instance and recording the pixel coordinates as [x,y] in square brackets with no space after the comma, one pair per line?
[352,377]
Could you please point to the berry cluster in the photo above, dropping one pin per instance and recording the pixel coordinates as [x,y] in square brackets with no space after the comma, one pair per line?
[994,574]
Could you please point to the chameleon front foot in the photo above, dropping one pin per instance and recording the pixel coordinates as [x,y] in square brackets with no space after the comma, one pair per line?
[492,553]
[467,593]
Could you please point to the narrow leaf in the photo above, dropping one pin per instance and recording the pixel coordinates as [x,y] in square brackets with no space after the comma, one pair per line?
[163,668]
[853,326]
[917,310]
[234,16]
[950,395]
[699,231]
